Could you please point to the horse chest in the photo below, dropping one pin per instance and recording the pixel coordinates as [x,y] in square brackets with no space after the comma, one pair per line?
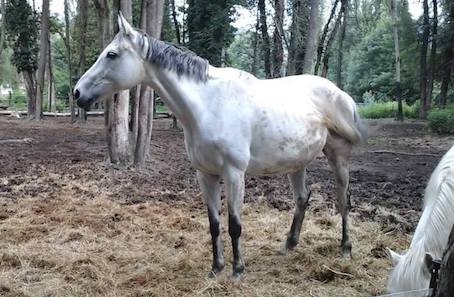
[203,153]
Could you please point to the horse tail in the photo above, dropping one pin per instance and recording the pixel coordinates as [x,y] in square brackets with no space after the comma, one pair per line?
[343,118]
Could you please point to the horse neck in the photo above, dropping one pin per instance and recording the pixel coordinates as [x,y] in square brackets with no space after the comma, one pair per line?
[408,274]
[438,215]
[180,94]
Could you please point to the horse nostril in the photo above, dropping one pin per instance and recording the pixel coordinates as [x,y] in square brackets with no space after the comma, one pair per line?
[76,94]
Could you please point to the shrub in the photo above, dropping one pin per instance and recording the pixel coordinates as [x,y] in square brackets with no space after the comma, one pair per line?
[380,110]
[60,105]
[441,120]
[18,99]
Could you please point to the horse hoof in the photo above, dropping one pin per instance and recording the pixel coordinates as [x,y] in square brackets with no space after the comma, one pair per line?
[215,270]
[347,250]
[289,245]
[212,274]
[236,277]
[283,250]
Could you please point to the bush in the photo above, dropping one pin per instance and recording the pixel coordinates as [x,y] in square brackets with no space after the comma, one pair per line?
[18,99]
[60,105]
[381,110]
[441,120]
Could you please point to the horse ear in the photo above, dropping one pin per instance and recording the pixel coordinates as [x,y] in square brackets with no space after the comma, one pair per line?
[123,25]
[393,256]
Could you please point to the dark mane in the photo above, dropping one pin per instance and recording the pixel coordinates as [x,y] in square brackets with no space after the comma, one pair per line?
[175,58]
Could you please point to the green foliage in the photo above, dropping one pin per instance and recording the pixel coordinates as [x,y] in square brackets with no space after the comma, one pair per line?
[168,28]
[380,110]
[22,29]
[8,74]
[18,99]
[441,120]
[241,54]
[209,28]
[60,105]
[369,54]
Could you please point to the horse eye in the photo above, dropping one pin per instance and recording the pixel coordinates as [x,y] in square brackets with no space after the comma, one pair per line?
[111,55]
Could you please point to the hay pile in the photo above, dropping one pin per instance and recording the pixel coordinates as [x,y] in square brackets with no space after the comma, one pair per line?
[75,245]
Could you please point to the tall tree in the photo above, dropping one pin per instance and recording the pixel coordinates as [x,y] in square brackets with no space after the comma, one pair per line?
[83,25]
[433,50]
[321,48]
[329,42]
[42,61]
[448,52]
[151,22]
[175,21]
[425,101]
[67,42]
[395,15]
[266,46]
[2,25]
[50,78]
[118,124]
[298,34]
[21,27]
[209,28]
[312,36]
[278,48]
[115,108]
[255,43]
[303,33]
[340,52]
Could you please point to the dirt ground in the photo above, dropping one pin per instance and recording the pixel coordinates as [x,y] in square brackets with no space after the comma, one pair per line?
[70,225]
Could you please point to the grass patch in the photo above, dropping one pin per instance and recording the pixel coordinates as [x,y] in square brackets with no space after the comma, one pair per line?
[381,110]
[441,120]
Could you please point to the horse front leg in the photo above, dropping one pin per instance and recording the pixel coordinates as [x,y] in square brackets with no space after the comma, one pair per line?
[234,180]
[211,191]
[301,196]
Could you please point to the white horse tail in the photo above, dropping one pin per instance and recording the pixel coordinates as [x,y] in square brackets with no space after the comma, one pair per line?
[342,117]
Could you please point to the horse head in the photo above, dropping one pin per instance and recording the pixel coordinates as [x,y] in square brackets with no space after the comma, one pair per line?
[118,67]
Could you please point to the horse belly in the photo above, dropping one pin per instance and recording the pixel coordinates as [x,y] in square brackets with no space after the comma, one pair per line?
[285,152]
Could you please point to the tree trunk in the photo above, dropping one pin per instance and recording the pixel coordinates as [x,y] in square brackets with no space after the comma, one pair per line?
[448,56]
[445,281]
[255,43]
[83,15]
[44,35]
[184,29]
[175,21]
[29,81]
[312,36]
[433,52]
[331,37]
[266,47]
[104,29]
[2,25]
[423,64]
[395,14]
[151,22]
[340,52]
[67,42]
[298,37]
[321,44]
[278,49]
[119,118]
[446,78]
[51,84]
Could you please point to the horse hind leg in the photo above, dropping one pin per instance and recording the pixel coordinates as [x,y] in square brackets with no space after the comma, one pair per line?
[301,195]
[338,150]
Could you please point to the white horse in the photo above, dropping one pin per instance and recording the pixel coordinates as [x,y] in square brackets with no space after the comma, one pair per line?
[235,124]
[412,269]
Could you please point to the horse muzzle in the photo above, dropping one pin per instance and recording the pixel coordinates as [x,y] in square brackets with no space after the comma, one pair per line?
[83,101]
